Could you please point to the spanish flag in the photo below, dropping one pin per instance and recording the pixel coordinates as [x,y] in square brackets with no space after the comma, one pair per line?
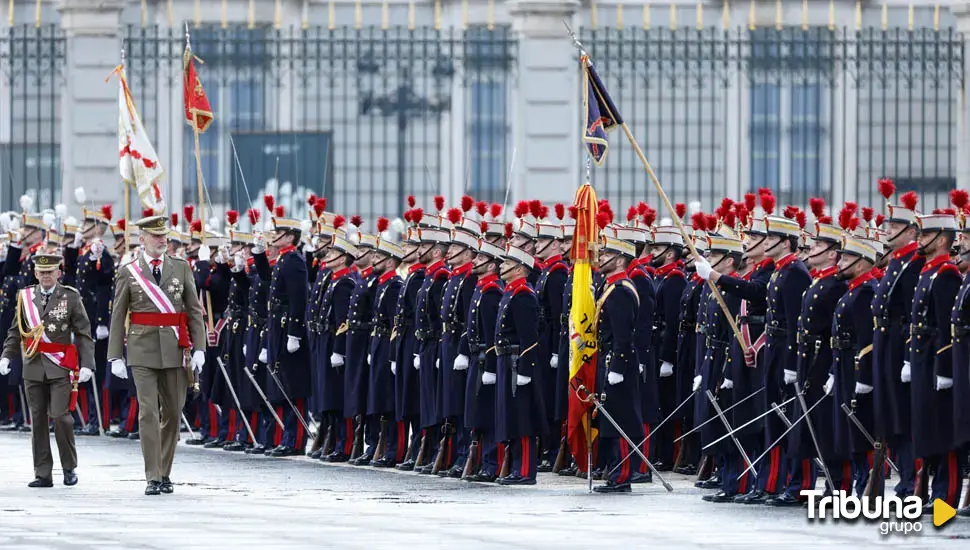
[582,327]
[198,112]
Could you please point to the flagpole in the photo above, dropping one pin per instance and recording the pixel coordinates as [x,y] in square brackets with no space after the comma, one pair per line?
[127,185]
[667,204]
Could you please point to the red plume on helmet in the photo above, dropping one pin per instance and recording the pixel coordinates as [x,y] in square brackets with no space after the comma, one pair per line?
[320,206]
[909,200]
[535,208]
[407,216]
[543,212]
[417,214]
[845,217]
[356,220]
[196,226]
[411,201]
[521,209]
[279,211]
[483,226]
[439,203]
[801,218]
[817,204]
[467,203]
[174,219]
[454,215]
[868,213]
[749,201]
[254,215]
[147,213]
[573,211]
[649,217]
[106,212]
[495,210]
[960,198]
[728,218]
[339,221]
[767,203]
[232,216]
[122,224]
[631,213]
[560,211]
[269,201]
[764,191]
[642,208]
[711,220]
[382,224]
[852,206]
[827,220]
[697,221]
[880,219]
[789,212]
[681,209]
[602,219]
[189,211]
[482,208]
[727,203]
[508,230]
[604,206]
[887,188]
[311,199]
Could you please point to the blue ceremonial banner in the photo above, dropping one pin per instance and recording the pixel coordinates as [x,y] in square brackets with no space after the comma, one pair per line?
[601,114]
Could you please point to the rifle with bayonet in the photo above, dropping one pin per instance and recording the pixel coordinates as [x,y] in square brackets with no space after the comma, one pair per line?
[444,448]
[381,440]
[473,463]
[358,448]
[422,459]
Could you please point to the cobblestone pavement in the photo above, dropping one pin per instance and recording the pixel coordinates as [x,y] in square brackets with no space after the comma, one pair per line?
[235,501]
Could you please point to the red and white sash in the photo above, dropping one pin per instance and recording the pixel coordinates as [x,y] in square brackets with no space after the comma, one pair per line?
[746,332]
[34,319]
[154,292]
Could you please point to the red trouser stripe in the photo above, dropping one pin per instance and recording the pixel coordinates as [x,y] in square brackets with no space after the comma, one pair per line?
[743,484]
[774,465]
[10,405]
[105,409]
[213,421]
[82,397]
[401,441]
[645,448]
[278,434]
[526,457]
[625,466]
[254,424]
[349,438]
[132,414]
[300,435]
[501,454]
[953,479]
[918,465]
[677,430]
[806,474]
[846,476]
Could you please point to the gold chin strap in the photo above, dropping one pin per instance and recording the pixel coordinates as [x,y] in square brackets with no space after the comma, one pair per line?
[33,335]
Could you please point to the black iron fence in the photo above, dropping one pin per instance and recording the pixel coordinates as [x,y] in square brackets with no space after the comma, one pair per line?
[389,112]
[32,68]
[814,112]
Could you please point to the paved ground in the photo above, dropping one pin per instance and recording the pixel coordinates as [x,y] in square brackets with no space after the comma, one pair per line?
[236,501]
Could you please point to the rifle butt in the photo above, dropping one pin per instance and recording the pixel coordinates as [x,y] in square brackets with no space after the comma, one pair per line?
[439,459]
[422,459]
[561,456]
[922,482]
[506,462]
[381,441]
[471,465]
[705,469]
[358,447]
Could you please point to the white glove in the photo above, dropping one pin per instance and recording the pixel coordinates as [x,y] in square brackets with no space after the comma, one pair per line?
[3,252]
[827,388]
[943,383]
[292,344]
[703,268]
[437,363]
[198,360]
[641,368]
[97,249]
[4,366]
[15,238]
[862,389]
[614,378]
[204,253]
[238,263]
[119,370]
[461,362]
[394,367]
[101,332]
[697,383]
[220,258]
[263,356]
[554,361]
[78,240]
[315,242]
[244,350]
[790,376]
[727,384]
[85,375]
[666,369]
[522,380]
[369,358]
[336,360]
[259,244]
[906,374]
[488,378]
[417,362]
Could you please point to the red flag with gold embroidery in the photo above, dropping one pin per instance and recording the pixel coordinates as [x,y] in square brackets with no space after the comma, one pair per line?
[198,112]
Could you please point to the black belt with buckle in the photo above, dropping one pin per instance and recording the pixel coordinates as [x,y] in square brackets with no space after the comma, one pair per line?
[805,337]
[752,319]
[842,342]
[508,349]
[776,331]
[961,330]
[425,334]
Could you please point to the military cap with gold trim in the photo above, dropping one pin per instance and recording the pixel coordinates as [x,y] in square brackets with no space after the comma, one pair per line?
[723,243]
[490,250]
[859,248]
[152,223]
[465,230]
[98,216]
[905,212]
[938,221]
[47,262]
[667,235]
[519,256]
[613,244]
[779,226]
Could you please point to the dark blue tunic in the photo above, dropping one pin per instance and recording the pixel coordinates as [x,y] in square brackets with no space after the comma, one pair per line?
[852,362]
[516,342]
[333,314]
[961,364]
[406,382]
[315,320]
[478,345]
[617,309]
[427,328]
[360,316]
[380,392]
[454,307]
[287,307]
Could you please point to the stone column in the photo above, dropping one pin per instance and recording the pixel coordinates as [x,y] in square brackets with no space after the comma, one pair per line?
[546,120]
[89,106]
[962,13]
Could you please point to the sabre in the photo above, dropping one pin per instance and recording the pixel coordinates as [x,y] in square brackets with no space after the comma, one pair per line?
[299,416]
[727,426]
[188,426]
[272,410]
[858,424]
[97,401]
[591,398]
[727,410]
[28,418]
[811,431]
[235,398]
[782,436]
[781,415]
[746,424]
[653,431]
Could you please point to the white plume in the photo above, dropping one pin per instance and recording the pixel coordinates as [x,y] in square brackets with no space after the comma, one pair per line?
[14,224]
[49,219]
[666,221]
[60,210]
[5,219]
[26,203]
[305,227]
[80,196]
[397,224]
[71,220]
[207,228]
[694,206]
[213,224]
